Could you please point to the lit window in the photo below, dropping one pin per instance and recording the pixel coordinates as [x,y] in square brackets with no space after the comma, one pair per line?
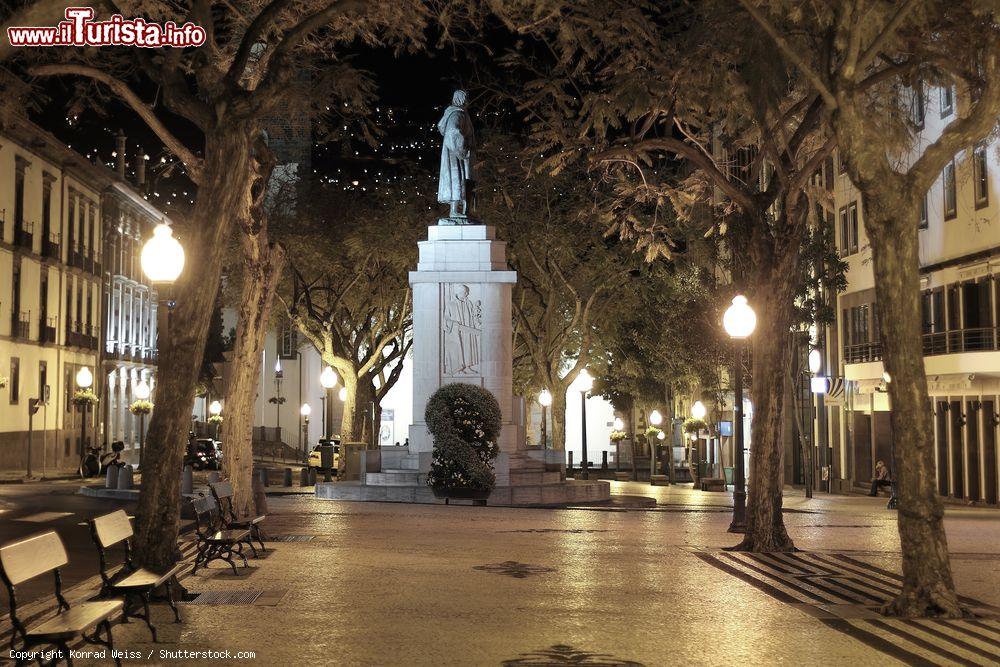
[948,180]
[947,101]
[980,176]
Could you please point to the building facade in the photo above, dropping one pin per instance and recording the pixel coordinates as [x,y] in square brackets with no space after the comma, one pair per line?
[56,209]
[960,294]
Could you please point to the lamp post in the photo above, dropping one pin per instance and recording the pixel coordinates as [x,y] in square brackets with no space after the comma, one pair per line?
[818,386]
[305,411]
[698,411]
[545,400]
[141,392]
[328,379]
[739,322]
[84,380]
[586,383]
[655,419]
[162,261]
[893,500]
[216,410]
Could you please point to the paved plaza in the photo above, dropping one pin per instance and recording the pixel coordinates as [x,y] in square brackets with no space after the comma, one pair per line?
[394,584]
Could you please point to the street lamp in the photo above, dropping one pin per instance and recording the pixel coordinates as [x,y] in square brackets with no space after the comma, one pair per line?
[162,256]
[328,379]
[215,409]
[655,419]
[584,383]
[84,380]
[698,410]
[305,411]
[141,392]
[342,394]
[739,322]
[545,400]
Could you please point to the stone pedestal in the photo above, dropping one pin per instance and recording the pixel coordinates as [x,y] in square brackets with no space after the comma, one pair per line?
[462,326]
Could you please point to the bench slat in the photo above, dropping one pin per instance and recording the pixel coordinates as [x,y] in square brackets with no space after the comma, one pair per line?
[112,528]
[223,489]
[73,621]
[33,556]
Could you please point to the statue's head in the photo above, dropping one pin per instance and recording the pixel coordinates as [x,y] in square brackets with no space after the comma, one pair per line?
[459,98]
[463,291]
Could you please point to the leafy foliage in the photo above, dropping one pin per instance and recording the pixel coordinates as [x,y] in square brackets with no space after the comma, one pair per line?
[141,407]
[85,398]
[693,425]
[465,421]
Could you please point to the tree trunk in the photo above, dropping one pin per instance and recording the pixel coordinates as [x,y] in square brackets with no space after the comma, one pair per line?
[352,420]
[223,195]
[558,410]
[262,268]
[928,587]
[774,304]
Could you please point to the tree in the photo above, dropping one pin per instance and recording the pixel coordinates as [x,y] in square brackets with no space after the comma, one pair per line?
[248,70]
[867,61]
[631,90]
[350,297]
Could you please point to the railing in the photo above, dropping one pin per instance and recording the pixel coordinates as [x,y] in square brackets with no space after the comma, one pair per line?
[24,234]
[47,327]
[50,246]
[23,325]
[980,339]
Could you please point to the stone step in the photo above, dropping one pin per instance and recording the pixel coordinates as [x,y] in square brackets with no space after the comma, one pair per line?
[532,477]
[396,478]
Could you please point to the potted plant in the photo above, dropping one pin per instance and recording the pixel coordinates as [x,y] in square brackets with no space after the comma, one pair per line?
[85,398]
[141,407]
[464,421]
[215,419]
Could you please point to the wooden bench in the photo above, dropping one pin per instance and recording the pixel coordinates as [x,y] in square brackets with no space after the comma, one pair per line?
[32,557]
[222,491]
[659,480]
[135,584]
[623,476]
[713,484]
[214,541]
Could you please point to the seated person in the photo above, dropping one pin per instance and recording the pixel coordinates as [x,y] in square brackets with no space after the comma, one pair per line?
[881,478]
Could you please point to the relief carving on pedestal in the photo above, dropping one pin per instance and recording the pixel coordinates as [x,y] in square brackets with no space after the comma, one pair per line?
[461,331]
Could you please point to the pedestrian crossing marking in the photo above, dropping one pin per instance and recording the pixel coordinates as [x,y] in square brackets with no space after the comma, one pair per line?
[846,594]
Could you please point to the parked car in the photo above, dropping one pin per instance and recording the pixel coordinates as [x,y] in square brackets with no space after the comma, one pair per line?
[315,456]
[203,454]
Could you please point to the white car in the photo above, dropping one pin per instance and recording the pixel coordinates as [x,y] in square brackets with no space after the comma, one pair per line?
[315,458]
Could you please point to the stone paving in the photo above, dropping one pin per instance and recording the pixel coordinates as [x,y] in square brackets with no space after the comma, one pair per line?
[394,584]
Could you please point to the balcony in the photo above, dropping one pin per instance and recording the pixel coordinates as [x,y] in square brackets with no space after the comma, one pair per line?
[47,327]
[21,325]
[24,234]
[76,258]
[50,247]
[96,267]
[954,341]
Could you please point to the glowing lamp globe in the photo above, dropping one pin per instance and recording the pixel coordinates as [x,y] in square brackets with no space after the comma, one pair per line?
[819,384]
[655,418]
[305,410]
[886,377]
[162,256]
[141,390]
[815,361]
[739,320]
[698,410]
[215,408]
[342,394]
[584,382]
[661,436]
[84,378]
[545,398]
[619,424]
[328,378]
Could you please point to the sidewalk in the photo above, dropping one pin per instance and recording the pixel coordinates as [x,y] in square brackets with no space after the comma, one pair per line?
[394,584]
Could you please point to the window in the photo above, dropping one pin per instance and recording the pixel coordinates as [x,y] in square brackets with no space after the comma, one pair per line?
[842,162]
[47,210]
[288,343]
[828,172]
[849,229]
[19,198]
[947,101]
[43,378]
[980,176]
[15,380]
[932,311]
[70,222]
[923,213]
[917,110]
[950,199]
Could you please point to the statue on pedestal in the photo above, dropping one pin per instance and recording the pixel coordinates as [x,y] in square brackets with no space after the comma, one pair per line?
[455,184]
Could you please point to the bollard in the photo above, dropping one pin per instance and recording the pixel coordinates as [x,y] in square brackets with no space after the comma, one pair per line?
[304,477]
[187,481]
[214,476]
[569,467]
[604,460]
[125,477]
[288,477]
[262,476]
[327,474]
[312,477]
[111,478]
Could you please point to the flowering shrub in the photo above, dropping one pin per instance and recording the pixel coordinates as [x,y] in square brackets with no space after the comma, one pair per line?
[85,397]
[215,419]
[141,407]
[653,432]
[693,425]
[618,436]
[465,422]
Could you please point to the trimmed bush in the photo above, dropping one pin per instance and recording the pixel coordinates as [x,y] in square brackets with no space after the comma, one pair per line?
[693,425]
[465,422]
